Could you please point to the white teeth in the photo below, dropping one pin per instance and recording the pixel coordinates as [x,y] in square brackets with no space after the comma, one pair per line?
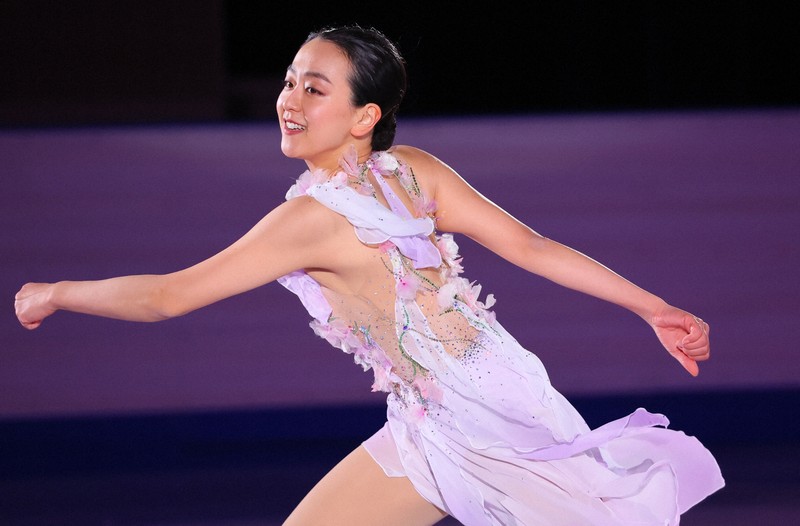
[293,126]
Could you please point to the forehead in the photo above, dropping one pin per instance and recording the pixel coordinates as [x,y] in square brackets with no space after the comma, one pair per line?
[321,57]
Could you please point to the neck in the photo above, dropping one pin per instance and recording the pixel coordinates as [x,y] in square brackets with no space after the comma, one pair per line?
[331,161]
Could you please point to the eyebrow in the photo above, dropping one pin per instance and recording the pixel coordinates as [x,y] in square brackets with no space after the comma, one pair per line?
[314,74]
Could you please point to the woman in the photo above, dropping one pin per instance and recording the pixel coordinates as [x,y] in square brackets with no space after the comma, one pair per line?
[474,428]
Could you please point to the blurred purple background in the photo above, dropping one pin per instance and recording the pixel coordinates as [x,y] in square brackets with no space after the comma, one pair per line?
[698,207]
[137,137]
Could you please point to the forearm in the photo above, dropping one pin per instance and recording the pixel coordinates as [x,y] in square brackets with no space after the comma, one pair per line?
[572,269]
[132,298]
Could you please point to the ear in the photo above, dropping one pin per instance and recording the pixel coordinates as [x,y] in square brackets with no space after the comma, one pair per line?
[368,117]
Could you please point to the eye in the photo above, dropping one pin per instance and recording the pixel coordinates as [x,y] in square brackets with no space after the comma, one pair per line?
[288,84]
[311,90]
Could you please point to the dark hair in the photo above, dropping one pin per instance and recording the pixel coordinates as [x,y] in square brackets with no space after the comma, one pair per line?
[378,74]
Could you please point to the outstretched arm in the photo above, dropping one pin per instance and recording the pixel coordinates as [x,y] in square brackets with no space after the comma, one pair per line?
[460,208]
[294,235]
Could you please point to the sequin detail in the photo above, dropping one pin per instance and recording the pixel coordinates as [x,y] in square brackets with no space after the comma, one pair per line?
[472,419]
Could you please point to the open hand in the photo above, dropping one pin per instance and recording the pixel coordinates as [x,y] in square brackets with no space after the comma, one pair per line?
[684,335]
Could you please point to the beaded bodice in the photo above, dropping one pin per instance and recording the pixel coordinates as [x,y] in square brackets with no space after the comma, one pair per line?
[472,419]
[416,312]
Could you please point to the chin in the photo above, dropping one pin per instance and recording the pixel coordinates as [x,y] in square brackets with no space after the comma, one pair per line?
[288,151]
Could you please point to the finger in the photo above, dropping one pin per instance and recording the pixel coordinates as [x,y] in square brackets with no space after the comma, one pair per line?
[697,350]
[30,325]
[696,337]
[700,324]
[690,344]
[700,354]
[686,361]
[688,364]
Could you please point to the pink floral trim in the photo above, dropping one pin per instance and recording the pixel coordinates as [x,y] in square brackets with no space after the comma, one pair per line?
[309,179]
[408,285]
[454,291]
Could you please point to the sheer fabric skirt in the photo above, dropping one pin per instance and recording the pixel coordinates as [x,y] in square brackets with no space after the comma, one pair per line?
[500,446]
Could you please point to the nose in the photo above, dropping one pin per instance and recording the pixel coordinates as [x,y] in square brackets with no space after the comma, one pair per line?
[288,100]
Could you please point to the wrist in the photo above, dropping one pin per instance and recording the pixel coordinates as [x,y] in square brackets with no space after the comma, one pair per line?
[55,295]
[649,309]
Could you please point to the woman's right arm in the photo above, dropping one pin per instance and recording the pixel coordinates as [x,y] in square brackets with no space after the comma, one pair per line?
[299,233]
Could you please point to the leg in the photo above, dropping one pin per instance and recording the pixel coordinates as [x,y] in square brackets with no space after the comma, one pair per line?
[357,492]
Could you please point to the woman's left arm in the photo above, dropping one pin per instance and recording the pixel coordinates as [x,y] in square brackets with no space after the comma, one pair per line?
[462,209]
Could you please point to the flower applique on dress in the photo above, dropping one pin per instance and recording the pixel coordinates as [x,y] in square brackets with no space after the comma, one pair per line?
[472,418]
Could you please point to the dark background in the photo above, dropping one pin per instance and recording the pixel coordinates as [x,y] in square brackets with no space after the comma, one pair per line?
[94,61]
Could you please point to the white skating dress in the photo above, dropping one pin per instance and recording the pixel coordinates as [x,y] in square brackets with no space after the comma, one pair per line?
[472,418]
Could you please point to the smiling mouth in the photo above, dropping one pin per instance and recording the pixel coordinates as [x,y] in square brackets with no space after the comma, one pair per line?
[293,126]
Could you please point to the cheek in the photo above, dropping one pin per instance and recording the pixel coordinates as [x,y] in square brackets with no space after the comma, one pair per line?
[341,116]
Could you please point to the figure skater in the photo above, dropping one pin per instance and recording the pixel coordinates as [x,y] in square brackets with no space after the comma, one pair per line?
[474,427]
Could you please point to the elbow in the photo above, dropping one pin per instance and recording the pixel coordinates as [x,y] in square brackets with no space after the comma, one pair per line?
[538,243]
[536,246]
[532,253]
[164,303]
[161,314]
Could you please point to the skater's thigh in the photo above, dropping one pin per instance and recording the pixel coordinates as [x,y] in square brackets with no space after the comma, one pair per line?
[357,492]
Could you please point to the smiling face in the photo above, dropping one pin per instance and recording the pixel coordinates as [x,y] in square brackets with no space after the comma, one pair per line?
[314,108]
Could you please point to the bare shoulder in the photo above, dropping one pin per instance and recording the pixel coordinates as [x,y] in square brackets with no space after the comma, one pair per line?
[418,158]
[301,223]
[306,215]
[429,170]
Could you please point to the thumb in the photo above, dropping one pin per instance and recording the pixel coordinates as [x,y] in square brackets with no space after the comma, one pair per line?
[30,325]
[687,363]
